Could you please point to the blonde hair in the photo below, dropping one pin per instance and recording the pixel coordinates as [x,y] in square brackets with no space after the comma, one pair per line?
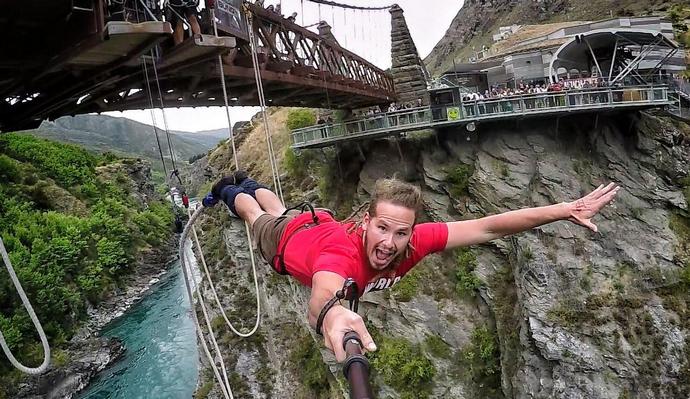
[396,192]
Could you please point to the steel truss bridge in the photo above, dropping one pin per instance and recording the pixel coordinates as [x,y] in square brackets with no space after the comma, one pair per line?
[61,57]
[471,113]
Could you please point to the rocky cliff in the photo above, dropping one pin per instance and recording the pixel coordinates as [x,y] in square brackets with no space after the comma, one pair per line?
[556,312]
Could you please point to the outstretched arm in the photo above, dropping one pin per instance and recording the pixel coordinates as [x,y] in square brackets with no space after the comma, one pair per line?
[581,211]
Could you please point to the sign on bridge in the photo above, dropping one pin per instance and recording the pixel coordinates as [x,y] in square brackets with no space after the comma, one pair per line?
[230,18]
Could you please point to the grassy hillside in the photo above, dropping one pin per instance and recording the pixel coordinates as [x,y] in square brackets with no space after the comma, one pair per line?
[100,133]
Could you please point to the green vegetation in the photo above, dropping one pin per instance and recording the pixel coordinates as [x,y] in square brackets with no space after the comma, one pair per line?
[406,288]
[467,282]
[67,164]
[502,285]
[300,117]
[64,260]
[459,178]
[480,361]
[678,13]
[196,157]
[310,368]
[298,163]
[404,367]
[437,347]
[204,390]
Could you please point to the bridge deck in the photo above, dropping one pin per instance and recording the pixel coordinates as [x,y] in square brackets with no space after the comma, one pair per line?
[463,113]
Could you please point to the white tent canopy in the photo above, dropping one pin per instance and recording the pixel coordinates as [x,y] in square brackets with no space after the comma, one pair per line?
[614,53]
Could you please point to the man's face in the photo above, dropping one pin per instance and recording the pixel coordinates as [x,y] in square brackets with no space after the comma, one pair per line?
[387,233]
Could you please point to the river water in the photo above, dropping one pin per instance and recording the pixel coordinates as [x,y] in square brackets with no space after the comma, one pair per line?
[161,357]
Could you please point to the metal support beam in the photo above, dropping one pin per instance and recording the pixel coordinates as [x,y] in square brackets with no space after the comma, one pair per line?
[613,59]
[596,62]
[644,51]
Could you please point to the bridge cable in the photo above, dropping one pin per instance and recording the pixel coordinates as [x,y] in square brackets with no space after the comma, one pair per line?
[251,250]
[225,386]
[227,391]
[262,104]
[165,119]
[153,116]
[34,319]
[341,5]
[223,381]
[150,97]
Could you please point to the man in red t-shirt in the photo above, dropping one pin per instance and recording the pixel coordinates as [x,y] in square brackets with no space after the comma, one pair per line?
[377,251]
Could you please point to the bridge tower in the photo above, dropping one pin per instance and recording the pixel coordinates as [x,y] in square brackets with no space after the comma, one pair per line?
[409,73]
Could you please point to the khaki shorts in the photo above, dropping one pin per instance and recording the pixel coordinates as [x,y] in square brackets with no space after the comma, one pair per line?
[267,231]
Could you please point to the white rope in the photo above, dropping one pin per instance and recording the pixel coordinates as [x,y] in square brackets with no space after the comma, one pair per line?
[246,225]
[224,386]
[215,294]
[222,380]
[262,104]
[34,319]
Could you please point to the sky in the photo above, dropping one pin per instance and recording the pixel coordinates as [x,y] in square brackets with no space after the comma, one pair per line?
[366,33]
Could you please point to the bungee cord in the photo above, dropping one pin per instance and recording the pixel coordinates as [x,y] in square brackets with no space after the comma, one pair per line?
[34,320]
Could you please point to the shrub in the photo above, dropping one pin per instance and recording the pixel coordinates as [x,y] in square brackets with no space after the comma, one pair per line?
[404,367]
[685,274]
[459,178]
[405,289]
[437,347]
[480,360]
[300,117]
[196,157]
[467,281]
[9,171]
[311,369]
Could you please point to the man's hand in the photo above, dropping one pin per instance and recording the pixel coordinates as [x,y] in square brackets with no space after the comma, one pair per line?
[339,321]
[583,209]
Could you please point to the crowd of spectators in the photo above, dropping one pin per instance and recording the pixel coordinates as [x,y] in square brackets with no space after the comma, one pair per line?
[500,91]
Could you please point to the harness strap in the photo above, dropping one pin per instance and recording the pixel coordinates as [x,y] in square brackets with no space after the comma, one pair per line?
[281,268]
[349,289]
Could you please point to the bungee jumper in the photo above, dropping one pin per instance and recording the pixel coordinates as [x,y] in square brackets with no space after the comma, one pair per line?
[345,260]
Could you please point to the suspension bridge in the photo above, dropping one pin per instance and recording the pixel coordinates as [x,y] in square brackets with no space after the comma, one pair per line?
[64,58]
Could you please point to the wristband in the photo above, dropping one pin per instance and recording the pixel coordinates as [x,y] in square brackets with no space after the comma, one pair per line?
[349,287]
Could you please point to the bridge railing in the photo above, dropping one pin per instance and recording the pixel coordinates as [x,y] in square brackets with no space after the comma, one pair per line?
[476,110]
[307,53]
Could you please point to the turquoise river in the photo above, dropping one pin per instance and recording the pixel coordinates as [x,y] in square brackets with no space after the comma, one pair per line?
[161,357]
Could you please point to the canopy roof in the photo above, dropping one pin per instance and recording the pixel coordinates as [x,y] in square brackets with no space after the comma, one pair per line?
[600,45]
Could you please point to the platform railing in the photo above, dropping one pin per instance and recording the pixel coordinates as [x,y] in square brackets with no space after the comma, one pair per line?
[478,110]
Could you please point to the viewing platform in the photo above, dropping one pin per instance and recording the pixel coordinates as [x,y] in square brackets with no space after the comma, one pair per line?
[464,113]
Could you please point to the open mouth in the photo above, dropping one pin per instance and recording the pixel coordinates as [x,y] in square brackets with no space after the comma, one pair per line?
[383,256]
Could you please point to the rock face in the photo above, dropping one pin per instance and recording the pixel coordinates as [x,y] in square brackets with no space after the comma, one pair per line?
[575,314]
[408,70]
[86,360]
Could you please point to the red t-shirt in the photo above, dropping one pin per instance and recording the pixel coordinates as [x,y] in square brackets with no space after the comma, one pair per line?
[329,247]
